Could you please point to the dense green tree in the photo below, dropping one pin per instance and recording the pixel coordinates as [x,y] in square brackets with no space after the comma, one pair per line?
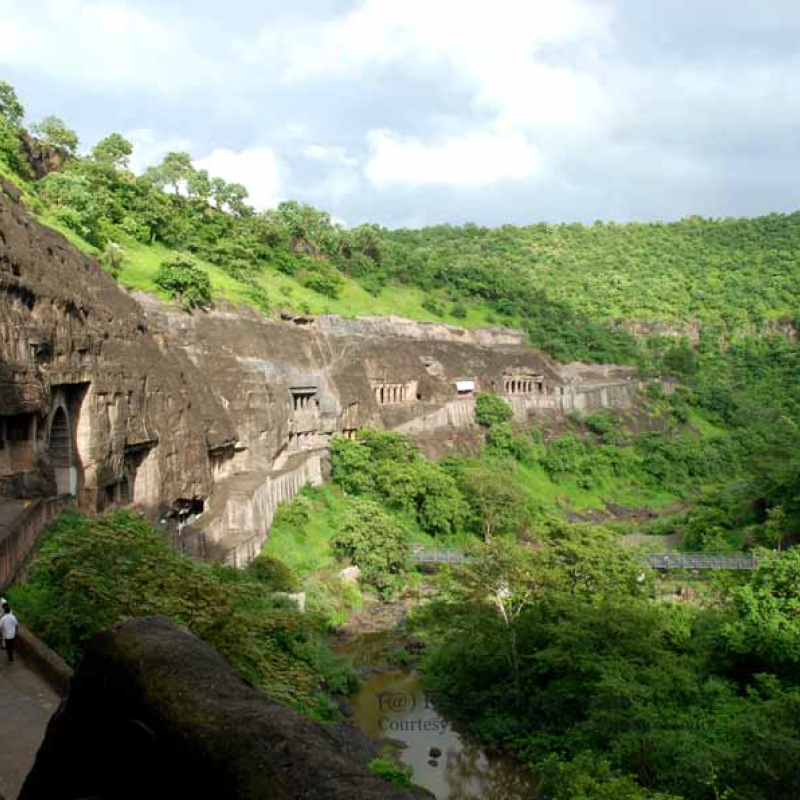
[198,184]
[236,196]
[114,150]
[11,109]
[352,466]
[174,170]
[55,133]
[602,692]
[274,573]
[181,278]
[374,542]
[92,573]
[498,506]
[11,115]
[74,204]
[766,624]
[491,409]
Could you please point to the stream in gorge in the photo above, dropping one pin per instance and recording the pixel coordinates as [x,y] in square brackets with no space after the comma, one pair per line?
[391,704]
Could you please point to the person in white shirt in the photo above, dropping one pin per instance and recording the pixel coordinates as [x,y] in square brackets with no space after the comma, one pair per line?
[8,629]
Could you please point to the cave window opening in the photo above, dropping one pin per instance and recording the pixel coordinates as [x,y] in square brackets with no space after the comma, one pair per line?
[186,510]
[391,394]
[303,398]
[18,429]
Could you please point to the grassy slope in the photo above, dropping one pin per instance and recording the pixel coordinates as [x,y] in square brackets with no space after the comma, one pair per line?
[142,262]
[286,292]
[307,550]
[566,493]
[739,271]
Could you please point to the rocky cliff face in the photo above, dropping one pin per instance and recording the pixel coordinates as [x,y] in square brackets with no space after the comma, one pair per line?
[218,416]
[93,402]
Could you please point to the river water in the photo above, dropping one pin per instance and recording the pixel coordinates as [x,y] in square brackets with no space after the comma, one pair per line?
[393,705]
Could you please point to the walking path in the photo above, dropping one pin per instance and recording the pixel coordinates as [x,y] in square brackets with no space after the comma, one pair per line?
[26,705]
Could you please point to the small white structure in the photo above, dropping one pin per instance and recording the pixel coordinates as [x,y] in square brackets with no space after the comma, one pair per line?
[465,388]
[350,574]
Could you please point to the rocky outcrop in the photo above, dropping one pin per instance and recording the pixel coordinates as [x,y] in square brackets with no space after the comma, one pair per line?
[93,402]
[216,417]
[154,712]
[646,328]
[238,517]
[398,327]
[42,158]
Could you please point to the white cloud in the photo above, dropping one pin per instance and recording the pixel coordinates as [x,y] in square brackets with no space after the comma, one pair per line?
[504,55]
[99,43]
[498,52]
[471,161]
[149,149]
[256,168]
[329,154]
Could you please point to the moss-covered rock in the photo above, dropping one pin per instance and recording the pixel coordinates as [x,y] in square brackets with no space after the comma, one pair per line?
[154,712]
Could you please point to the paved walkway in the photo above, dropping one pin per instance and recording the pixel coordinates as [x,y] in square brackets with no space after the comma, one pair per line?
[26,705]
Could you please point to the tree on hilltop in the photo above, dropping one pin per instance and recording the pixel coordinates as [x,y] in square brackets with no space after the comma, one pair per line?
[54,132]
[11,109]
[175,169]
[184,280]
[115,150]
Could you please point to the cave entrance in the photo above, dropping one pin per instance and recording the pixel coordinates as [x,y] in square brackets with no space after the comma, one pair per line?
[61,453]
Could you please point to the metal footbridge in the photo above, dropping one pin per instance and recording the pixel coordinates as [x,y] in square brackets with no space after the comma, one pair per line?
[660,561]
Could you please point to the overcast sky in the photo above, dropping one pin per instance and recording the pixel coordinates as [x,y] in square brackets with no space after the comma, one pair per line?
[414,112]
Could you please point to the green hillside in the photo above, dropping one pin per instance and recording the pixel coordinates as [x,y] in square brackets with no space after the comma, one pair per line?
[735,272]
[570,286]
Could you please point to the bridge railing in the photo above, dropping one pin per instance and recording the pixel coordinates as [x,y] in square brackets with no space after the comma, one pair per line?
[430,555]
[671,560]
[678,560]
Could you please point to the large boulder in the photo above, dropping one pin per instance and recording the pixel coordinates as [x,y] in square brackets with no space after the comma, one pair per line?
[155,712]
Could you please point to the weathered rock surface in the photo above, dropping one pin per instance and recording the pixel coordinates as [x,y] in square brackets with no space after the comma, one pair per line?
[76,356]
[42,158]
[154,712]
[217,417]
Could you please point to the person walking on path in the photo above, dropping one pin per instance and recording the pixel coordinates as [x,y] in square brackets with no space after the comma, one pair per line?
[3,604]
[8,629]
